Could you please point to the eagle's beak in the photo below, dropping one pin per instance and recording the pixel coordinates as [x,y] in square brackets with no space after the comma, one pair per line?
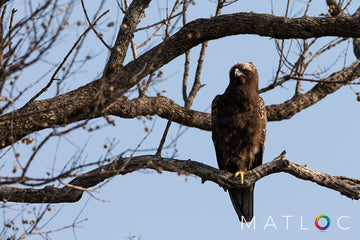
[238,73]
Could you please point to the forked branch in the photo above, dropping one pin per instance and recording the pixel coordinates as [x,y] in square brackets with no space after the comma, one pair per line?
[73,191]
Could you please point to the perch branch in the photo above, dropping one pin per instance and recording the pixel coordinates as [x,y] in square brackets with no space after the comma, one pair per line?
[49,194]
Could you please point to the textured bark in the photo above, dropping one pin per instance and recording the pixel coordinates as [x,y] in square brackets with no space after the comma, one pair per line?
[72,193]
[274,26]
[66,108]
[79,105]
[126,31]
[202,30]
[48,194]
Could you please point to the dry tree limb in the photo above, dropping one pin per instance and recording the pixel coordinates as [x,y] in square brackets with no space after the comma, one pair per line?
[49,194]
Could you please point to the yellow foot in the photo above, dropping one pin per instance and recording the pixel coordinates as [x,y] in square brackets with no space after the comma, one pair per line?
[242,174]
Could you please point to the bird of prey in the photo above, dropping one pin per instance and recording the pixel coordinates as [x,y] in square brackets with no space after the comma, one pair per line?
[238,130]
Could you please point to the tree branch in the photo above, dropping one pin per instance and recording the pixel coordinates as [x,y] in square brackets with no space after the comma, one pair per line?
[126,31]
[299,102]
[201,30]
[78,104]
[2,2]
[346,186]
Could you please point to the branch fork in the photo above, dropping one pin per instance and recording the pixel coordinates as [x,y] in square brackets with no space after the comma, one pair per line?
[72,192]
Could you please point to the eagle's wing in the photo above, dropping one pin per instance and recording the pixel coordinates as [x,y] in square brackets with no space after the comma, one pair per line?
[262,112]
[214,128]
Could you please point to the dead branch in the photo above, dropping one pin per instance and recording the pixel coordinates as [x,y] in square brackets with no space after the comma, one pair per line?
[346,186]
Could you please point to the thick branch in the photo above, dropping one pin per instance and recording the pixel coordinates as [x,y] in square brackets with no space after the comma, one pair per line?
[202,30]
[274,26]
[346,186]
[80,104]
[163,107]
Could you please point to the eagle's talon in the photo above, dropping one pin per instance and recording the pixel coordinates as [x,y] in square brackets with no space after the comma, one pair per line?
[242,174]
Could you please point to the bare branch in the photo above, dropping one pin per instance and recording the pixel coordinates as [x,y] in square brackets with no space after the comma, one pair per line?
[124,36]
[77,105]
[163,138]
[299,102]
[17,124]
[187,58]
[202,30]
[346,186]
[196,85]
[2,2]
[52,79]
[92,25]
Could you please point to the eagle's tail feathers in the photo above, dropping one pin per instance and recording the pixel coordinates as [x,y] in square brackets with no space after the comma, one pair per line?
[243,202]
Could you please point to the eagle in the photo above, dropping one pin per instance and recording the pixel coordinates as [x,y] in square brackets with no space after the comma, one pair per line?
[238,119]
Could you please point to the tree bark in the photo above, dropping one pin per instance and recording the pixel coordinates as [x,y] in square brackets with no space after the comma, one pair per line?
[80,104]
[73,191]
[98,97]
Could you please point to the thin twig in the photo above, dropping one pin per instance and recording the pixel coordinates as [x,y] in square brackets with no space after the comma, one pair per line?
[92,26]
[52,79]
[162,22]
[187,58]
[162,141]
[197,85]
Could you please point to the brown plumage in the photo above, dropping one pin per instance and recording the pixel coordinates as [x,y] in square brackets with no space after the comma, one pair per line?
[238,131]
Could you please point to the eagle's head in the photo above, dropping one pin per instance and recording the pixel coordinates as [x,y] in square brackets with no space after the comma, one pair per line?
[244,74]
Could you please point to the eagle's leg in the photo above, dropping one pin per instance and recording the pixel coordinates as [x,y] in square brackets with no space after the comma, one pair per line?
[242,174]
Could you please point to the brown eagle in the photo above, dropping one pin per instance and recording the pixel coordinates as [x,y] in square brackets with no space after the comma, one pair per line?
[238,131]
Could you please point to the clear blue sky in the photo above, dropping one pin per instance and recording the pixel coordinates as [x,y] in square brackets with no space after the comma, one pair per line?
[165,206]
